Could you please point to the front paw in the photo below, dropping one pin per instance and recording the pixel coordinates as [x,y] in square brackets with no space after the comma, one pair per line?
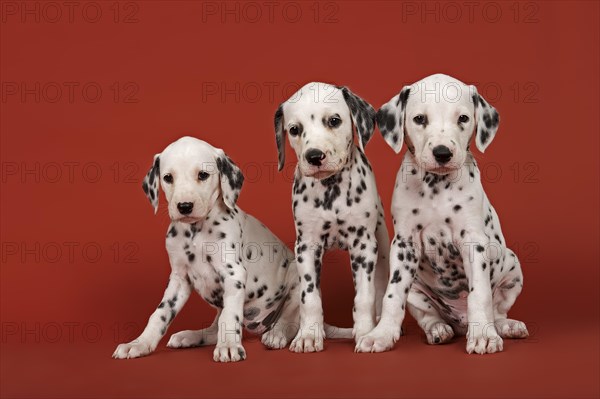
[309,339]
[483,340]
[362,328]
[229,352]
[132,350]
[186,339]
[381,338]
[274,339]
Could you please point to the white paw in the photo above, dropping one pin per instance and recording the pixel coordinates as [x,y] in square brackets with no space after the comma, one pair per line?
[381,338]
[362,329]
[483,340]
[132,350]
[186,339]
[308,339]
[439,333]
[229,352]
[274,339]
[508,328]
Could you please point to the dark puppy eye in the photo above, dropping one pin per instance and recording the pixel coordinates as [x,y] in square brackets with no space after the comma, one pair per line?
[168,178]
[295,130]
[334,121]
[463,119]
[203,175]
[420,119]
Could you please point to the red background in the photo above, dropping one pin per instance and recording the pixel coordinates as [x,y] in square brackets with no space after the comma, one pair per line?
[64,312]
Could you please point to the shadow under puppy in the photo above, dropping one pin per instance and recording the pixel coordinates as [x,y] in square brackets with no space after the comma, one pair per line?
[231,259]
[449,262]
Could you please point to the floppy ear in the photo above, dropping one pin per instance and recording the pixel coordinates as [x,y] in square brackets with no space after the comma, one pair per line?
[231,179]
[280,136]
[363,116]
[391,118]
[152,182]
[487,120]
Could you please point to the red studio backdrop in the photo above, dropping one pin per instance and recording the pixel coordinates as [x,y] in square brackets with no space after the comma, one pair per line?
[92,90]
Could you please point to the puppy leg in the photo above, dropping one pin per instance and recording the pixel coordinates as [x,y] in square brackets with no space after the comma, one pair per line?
[194,338]
[382,269]
[428,318]
[482,336]
[229,336]
[505,296]
[363,256]
[311,333]
[175,296]
[403,265]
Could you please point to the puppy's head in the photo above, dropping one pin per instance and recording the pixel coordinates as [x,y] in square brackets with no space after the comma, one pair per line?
[194,176]
[320,120]
[438,116]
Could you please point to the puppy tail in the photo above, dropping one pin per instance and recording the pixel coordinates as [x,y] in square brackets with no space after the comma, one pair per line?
[337,332]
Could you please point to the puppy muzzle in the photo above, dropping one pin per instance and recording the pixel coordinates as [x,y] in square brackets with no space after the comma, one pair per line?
[187,211]
[320,166]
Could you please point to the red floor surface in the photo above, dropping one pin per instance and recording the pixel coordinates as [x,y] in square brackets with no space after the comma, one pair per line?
[541,366]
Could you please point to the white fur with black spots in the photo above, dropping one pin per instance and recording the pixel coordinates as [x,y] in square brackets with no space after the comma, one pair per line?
[448,261]
[231,259]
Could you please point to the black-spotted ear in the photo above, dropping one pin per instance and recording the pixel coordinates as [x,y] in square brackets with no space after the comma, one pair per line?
[231,179]
[487,119]
[280,136]
[363,116]
[391,119]
[152,182]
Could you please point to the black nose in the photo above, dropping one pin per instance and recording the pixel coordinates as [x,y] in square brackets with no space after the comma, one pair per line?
[442,154]
[185,208]
[314,156]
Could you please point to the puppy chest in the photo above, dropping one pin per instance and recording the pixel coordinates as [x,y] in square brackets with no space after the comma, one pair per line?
[207,283]
[441,267]
[453,311]
[441,274]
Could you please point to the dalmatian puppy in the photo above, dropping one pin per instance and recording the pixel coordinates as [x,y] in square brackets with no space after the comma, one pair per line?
[232,260]
[335,202]
[449,260]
